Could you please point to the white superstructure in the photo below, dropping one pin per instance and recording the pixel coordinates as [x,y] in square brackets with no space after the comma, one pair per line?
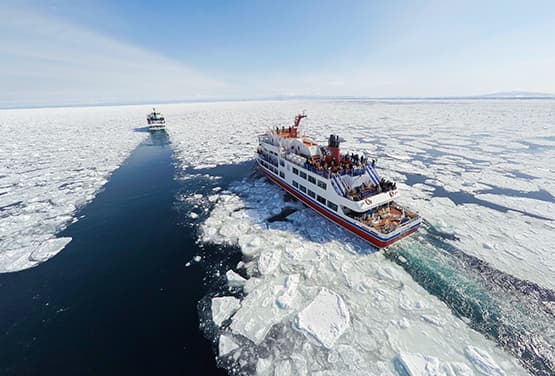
[345,188]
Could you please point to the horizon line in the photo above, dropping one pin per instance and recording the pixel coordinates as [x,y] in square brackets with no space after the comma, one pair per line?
[494,96]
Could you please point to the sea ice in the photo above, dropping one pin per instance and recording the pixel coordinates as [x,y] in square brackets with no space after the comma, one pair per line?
[54,161]
[223,307]
[483,361]
[325,318]
[226,345]
[48,249]
[443,154]
[234,279]
[422,365]
[359,306]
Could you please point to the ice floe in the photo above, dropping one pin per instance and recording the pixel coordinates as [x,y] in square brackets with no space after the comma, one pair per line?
[325,318]
[234,279]
[223,307]
[226,345]
[54,161]
[423,365]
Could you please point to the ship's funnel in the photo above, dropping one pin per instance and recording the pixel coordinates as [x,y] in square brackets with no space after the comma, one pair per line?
[333,147]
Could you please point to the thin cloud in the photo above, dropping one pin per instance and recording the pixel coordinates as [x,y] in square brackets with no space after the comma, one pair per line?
[45,60]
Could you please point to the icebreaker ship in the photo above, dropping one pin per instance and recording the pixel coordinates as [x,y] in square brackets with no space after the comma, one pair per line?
[345,188]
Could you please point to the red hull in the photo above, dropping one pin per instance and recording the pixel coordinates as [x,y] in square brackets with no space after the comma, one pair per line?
[337,220]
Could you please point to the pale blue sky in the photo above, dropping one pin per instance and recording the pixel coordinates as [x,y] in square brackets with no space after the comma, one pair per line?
[66,52]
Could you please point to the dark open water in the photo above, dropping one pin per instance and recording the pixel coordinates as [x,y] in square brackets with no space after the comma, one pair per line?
[119,299]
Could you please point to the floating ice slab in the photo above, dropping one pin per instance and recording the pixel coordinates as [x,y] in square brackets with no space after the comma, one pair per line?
[48,249]
[234,279]
[483,361]
[325,318]
[423,365]
[53,162]
[223,308]
[260,310]
[226,345]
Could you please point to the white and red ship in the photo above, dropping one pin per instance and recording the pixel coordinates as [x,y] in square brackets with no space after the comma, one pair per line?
[344,188]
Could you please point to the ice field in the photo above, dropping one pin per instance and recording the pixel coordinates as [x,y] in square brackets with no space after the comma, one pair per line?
[54,161]
[469,294]
[477,152]
[478,171]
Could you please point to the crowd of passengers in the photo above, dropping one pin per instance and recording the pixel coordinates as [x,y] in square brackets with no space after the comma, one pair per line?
[352,164]
[366,190]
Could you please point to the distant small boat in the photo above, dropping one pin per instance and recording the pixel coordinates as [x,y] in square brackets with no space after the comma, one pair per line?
[156,121]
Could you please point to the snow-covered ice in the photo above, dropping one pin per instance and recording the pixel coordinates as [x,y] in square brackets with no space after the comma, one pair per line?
[481,148]
[451,159]
[226,345]
[54,161]
[328,303]
[483,361]
[223,307]
[234,279]
[325,318]
[423,365]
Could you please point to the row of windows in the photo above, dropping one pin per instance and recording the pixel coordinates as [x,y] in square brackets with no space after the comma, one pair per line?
[310,178]
[318,198]
[271,168]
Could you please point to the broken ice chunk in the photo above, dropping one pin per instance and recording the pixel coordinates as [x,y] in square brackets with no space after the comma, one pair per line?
[269,261]
[226,345]
[325,319]
[483,361]
[223,307]
[234,279]
[49,249]
[423,365]
[285,300]
[259,310]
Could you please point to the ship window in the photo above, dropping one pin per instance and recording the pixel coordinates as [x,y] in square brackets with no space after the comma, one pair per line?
[312,179]
[282,163]
[282,174]
[302,175]
[311,194]
[302,188]
[332,206]
[295,184]
[295,171]
[321,200]
[321,184]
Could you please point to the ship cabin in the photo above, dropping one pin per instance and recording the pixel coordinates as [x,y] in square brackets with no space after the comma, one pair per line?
[155,117]
[346,183]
